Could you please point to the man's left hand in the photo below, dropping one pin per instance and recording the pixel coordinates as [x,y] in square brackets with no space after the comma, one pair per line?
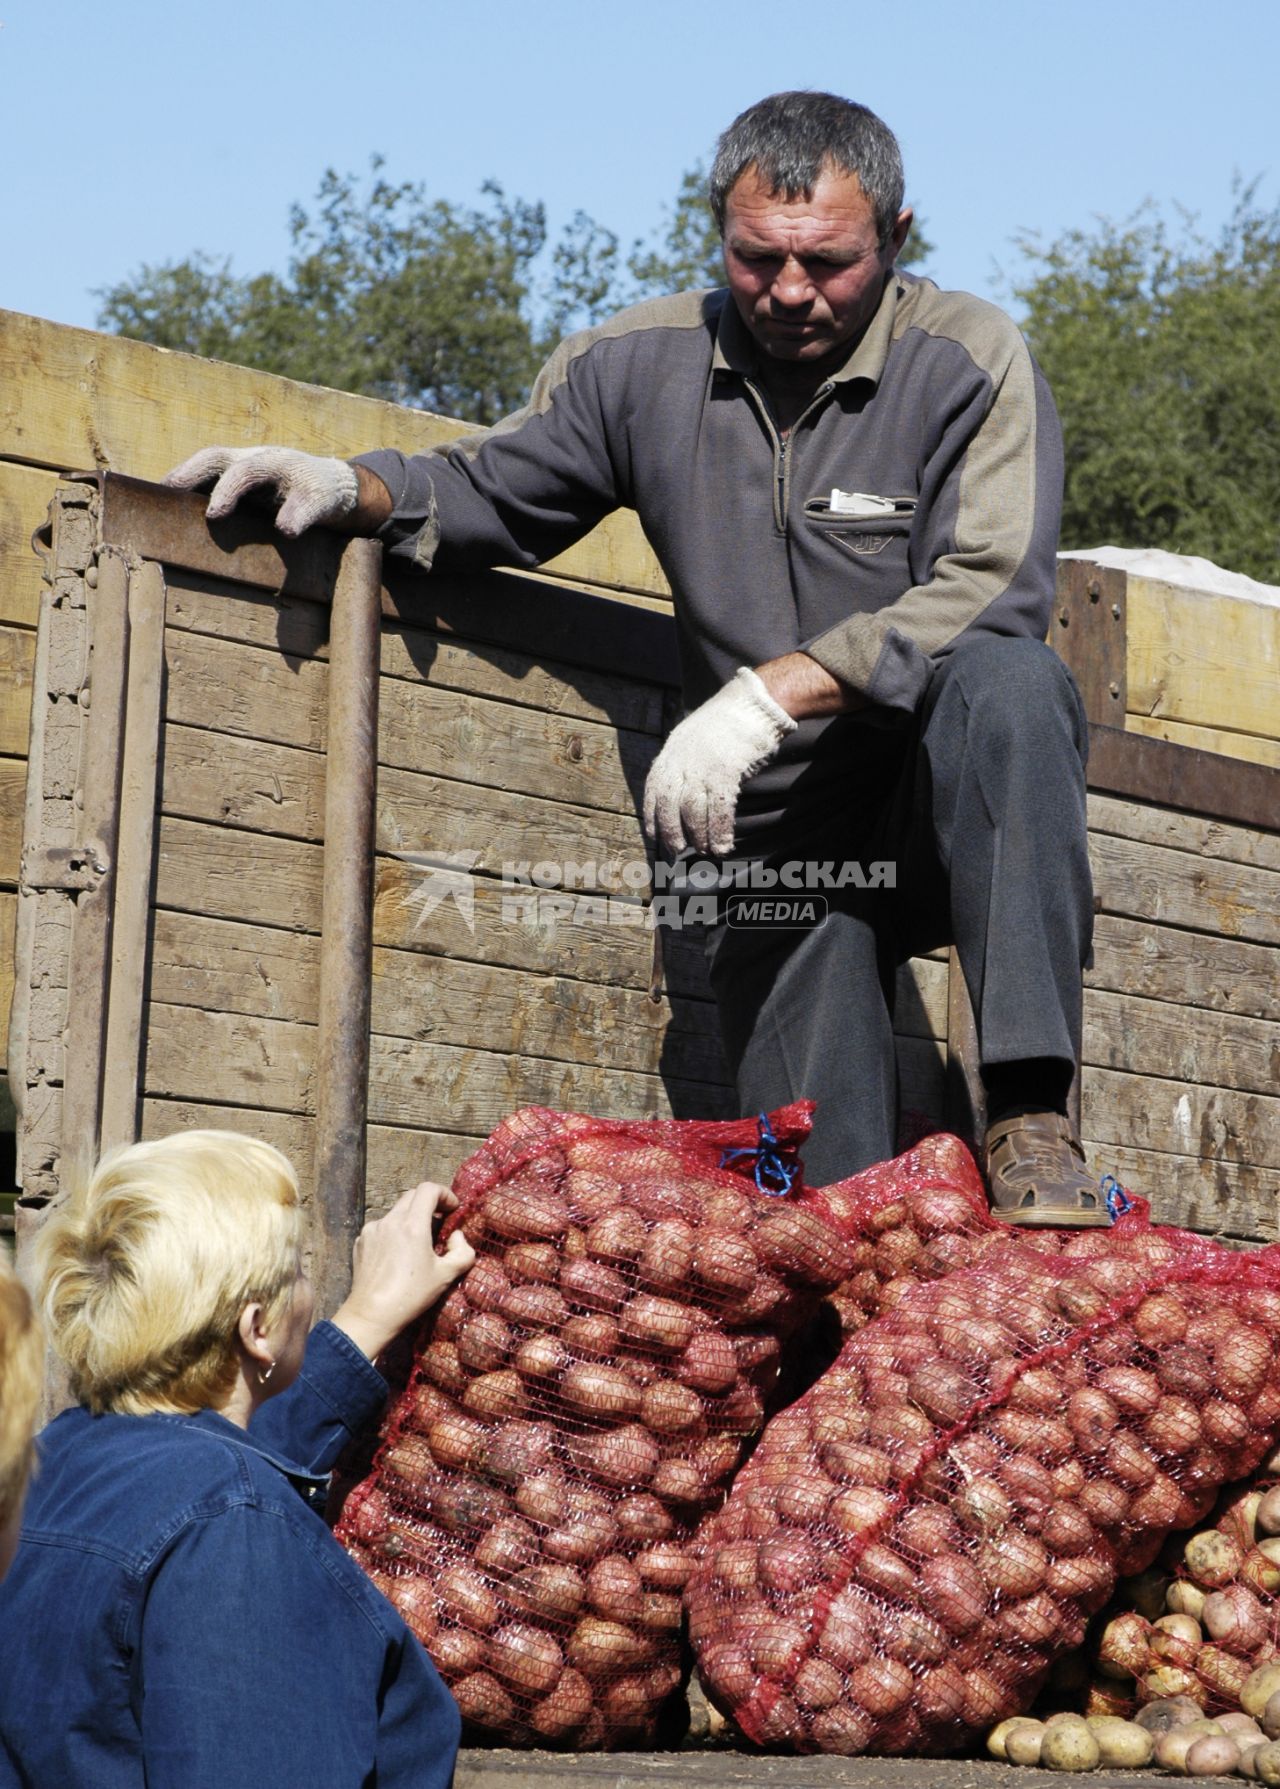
[691,796]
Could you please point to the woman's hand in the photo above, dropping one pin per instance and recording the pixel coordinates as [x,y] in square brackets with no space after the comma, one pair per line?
[396,1273]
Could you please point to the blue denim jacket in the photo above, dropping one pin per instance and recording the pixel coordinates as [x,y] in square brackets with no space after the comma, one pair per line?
[179,1616]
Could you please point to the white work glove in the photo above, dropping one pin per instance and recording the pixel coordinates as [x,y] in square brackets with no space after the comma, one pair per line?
[691,794]
[313,491]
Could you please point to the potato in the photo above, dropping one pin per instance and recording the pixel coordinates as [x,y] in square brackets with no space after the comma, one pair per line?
[1236,1619]
[1166,1713]
[1185,1598]
[1123,1647]
[1212,1559]
[1240,1725]
[1249,1749]
[1172,1747]
[1069,1747]
[1270,1719]
[1266,1763]
[525,1216]
[600,1391]
[1023,1742]
[1175,1640]
[1259,1687]
[528,1660]
[1122,1745]
[482,1699]
[1213,1755]
[999,1734]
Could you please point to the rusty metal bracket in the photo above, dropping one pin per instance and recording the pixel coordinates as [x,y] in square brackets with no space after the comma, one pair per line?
[67,868]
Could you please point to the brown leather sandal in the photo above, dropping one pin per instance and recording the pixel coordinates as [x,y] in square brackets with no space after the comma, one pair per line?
[1036,1174]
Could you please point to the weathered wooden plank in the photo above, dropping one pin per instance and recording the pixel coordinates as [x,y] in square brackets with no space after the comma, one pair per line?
[473,1090]
[17,660]
[1207,660]
[221,966]
[498,1009]
[13,795]
[1213,1195]
[1184,832]
[261,786]
[72,398]
[505,747]
[24,502]
[236,875]
[1179,1043]
[252,694]
[1187,968]
[251,784]
[229,1059]
[300,629]
[1178,888]
[1245,746]
[1143,1112]
[225,1058]
[226,874]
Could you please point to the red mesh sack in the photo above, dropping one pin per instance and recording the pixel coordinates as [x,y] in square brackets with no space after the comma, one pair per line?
[918,1217]
[914,1542]
[579,1400]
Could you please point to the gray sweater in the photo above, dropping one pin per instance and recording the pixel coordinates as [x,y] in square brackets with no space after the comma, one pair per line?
[938,409]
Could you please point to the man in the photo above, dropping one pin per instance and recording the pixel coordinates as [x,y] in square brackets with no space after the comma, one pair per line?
[852,481]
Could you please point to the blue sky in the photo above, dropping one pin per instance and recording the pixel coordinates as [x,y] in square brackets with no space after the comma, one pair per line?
[145,129]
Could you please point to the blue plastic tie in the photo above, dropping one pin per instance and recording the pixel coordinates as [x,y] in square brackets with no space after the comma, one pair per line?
[1118,1201]
[774,1174]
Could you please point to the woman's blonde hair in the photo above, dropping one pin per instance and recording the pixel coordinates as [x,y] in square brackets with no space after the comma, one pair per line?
[144,1274]
[21,1378]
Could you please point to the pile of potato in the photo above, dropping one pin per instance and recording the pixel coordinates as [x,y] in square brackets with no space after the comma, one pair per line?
[1171,1733]
[916,1540]
[579,1401]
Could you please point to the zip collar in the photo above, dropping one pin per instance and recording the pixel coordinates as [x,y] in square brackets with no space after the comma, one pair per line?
[735,351]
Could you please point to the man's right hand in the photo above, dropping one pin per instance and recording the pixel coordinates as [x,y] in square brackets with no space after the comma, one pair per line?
[313,492]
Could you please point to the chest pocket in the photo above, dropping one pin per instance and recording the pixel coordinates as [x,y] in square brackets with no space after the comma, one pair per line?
[865,537]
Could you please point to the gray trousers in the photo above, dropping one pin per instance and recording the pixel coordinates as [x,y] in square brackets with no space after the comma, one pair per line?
[980,803]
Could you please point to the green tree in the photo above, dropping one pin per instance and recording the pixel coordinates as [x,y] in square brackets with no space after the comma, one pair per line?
[389,292]
[1163,351]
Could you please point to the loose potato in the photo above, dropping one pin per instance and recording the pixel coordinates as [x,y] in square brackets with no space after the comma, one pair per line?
[1166,1713]
[1122,1745]
[1172,1747]
[1068,1746]
[1213,1755]
[998,1737]
[1023,1744]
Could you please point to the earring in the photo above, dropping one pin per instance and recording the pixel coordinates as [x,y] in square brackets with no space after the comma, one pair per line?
[263,1377]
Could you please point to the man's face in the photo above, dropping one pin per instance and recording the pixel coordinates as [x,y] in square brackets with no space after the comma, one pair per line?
[806,274]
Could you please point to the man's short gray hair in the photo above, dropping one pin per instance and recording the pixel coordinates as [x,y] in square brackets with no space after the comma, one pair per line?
[790,137]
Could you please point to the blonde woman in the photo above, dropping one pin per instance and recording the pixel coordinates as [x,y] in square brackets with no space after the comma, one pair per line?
[178,1614]
[20,1381]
